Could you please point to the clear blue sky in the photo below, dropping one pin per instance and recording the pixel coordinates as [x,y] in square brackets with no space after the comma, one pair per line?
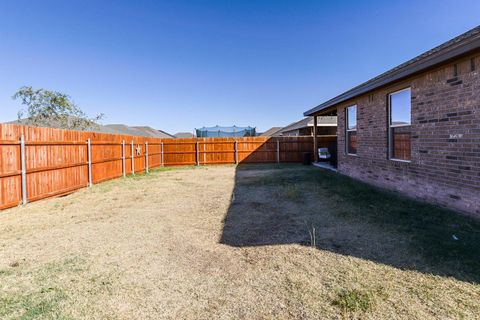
[177,65]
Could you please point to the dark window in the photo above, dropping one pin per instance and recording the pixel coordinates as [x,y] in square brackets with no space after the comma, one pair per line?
[399,106]
[351,130]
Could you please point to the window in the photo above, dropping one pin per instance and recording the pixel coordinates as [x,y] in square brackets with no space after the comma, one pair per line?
[351,130]
[399,124]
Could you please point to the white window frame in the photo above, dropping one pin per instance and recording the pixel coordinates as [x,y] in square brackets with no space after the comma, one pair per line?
[350,130]
[390,126]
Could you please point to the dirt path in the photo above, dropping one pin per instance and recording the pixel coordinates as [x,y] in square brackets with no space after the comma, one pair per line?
[155,247]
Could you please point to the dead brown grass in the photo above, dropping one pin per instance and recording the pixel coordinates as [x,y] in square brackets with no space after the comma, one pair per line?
[151,248]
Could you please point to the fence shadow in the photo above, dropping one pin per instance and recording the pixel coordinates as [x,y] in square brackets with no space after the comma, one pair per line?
[279,204]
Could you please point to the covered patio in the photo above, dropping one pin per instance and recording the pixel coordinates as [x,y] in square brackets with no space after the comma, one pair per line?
[329,163]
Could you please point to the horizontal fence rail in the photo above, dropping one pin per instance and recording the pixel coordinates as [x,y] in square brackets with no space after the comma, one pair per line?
[38,163]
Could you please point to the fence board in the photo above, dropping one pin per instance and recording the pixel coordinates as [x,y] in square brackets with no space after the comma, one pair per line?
[56,160]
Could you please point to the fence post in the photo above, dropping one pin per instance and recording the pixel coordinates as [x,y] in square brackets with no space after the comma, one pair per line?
[132,157]
[204,153]
[278,151]
[197,152]
[146,157]
[162,155]
[89,159]
[236,151]
[124,173]
[24,169]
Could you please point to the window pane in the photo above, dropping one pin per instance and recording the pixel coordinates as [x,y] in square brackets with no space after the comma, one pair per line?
[352,142]
[352,117]
[400,107]
[401,143]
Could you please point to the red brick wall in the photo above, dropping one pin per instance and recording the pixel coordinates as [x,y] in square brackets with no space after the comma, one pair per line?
[445,161]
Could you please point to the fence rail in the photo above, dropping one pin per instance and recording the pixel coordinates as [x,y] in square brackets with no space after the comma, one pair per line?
[37,163]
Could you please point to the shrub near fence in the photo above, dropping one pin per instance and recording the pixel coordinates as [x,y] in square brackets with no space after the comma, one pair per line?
[48,162]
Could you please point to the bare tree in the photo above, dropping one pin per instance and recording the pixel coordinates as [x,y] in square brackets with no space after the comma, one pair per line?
[47,108]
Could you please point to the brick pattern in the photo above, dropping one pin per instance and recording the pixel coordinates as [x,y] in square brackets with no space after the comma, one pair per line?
[445,159]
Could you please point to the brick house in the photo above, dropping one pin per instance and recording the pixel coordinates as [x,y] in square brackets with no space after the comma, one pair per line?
[416,128]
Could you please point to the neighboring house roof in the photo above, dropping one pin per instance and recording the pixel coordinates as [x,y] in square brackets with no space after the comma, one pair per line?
[271,132]
[308,122]
[154,133]
[164,134]
[449,50]
[143,131]
[184,135]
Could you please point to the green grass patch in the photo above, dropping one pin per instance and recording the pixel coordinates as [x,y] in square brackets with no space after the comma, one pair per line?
[293,193]
[39,293]
[6,272]
[40,304]
[354,300]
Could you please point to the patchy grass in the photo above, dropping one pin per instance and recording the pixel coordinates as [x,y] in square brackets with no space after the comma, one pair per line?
[6,272]
[235,242]
[36,294]
[37,305]
[293,193]
[354,300]
[426,228]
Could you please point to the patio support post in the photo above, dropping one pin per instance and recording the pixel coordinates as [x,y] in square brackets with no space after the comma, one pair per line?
[197,154]
[24,169]
[132,157]
[146,157]
[315,141]
[89,159]
[204,152]
[124,171]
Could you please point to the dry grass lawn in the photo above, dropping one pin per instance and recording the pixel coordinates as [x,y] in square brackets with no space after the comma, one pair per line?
[224,242]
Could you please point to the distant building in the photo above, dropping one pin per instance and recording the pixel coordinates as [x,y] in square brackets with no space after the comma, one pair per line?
[143,131]
[184,135]
[272,132]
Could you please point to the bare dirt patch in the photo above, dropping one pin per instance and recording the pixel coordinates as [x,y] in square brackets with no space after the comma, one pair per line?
[220,242]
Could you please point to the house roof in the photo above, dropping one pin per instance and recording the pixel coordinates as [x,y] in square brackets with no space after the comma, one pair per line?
[271,132]
[184,135]
[143,131]
[154,133]
[308,122]
[164,134]
[461,45]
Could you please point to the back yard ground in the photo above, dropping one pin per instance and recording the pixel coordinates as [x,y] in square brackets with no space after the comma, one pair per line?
[235,242]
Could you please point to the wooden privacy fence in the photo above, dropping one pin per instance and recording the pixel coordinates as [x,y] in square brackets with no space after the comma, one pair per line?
[37,163]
